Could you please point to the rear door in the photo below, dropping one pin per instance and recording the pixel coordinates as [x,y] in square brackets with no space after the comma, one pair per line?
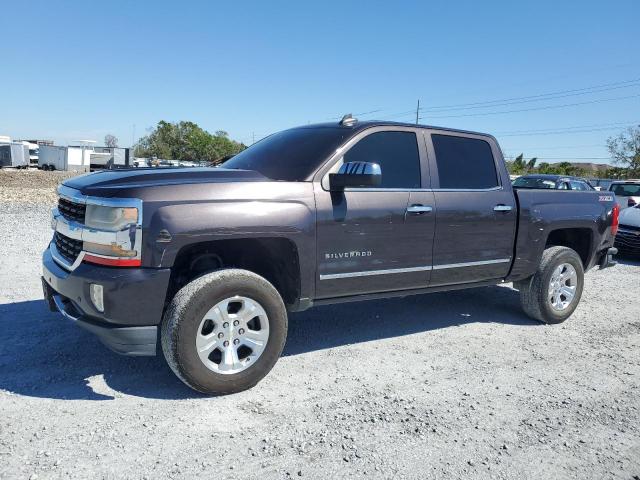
[376,239]
[476,210]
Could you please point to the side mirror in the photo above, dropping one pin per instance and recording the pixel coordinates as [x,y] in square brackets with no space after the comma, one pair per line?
[356,174]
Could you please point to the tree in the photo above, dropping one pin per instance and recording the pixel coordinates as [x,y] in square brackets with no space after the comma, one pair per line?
[544,167]
[110,140]
[625,149]
[520,167]
[186,141]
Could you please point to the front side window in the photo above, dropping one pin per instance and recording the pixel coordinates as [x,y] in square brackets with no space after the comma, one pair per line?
[395,152]
[464,163]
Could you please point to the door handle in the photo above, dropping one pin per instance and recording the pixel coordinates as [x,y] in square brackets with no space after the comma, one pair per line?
[418,209]
[502,208]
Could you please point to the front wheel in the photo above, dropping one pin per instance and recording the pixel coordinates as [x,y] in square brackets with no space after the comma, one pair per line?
[552,294]
[224,331]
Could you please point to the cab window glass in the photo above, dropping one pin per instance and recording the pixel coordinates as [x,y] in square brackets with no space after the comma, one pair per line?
[464,163]
[395,152]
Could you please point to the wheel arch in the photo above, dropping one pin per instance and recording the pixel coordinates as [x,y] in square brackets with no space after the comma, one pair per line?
[274,258]
[579,239]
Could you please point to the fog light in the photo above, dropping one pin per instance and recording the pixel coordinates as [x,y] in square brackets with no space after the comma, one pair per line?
[95,292]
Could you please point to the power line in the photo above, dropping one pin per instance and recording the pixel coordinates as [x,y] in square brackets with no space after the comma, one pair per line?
[555,97]
[566,158]
[560,132]
[554,129]
[548,107]
[355,114]
[552,148]
[518,100]
[540,97]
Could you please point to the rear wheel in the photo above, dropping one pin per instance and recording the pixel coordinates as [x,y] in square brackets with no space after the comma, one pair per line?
[552,294]
[224,331]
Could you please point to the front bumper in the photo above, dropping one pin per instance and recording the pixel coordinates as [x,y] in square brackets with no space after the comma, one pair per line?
[133,302]
[628,240]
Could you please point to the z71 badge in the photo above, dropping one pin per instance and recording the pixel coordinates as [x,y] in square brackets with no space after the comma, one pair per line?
[606,198]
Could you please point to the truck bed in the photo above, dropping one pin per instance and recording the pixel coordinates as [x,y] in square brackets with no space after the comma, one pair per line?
[587,215]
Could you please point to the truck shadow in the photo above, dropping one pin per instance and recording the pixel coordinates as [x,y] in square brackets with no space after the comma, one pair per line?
[357,322]
[628,259]
[42,355]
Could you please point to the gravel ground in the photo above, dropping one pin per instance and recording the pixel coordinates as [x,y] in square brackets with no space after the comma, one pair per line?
[452,385]
[30,186]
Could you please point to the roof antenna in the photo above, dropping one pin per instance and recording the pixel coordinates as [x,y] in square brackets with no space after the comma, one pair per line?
[348,120]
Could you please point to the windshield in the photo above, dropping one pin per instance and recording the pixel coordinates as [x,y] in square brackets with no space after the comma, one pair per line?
[533,182]
[291,155]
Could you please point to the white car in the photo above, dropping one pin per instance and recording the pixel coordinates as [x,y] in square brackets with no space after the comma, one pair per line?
[628,236]
[627,193]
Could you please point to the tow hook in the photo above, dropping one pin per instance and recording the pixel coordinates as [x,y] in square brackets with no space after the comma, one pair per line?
[607,259]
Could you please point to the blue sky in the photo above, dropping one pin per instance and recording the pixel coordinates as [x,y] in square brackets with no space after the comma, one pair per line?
[84,69]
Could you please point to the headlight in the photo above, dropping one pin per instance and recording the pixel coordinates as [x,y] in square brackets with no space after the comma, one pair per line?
[112,250]
[112,219]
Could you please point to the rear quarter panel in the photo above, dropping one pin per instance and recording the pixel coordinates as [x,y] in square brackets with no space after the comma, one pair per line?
[541,212]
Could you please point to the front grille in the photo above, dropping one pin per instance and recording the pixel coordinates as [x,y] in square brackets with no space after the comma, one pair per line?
[627,241]
[629,227]
[71,211]
[67,247]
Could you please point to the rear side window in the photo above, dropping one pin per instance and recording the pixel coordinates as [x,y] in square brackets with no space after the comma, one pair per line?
[465,163]
[395,152]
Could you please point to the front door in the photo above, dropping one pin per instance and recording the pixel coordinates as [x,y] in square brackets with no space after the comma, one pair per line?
[476,210]
[376,239]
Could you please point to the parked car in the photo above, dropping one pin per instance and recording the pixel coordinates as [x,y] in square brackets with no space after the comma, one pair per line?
[208,261]
[557,182]
[627,193]
[628,236]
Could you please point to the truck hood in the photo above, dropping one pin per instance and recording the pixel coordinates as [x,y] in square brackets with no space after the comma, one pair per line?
[108,182]
[630,216]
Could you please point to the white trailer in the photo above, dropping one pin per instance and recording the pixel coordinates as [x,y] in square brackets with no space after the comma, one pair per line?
[109,157]
[64,158]
[33,152]
[14,155]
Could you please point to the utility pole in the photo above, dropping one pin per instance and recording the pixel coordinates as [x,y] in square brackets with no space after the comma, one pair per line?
[253,138]
[133,135]
[418,113]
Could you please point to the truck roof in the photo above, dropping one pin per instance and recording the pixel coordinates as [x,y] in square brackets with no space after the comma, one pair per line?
[359,125]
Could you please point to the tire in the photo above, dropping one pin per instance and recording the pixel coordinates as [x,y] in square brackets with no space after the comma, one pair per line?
[186,315]
[534,291]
